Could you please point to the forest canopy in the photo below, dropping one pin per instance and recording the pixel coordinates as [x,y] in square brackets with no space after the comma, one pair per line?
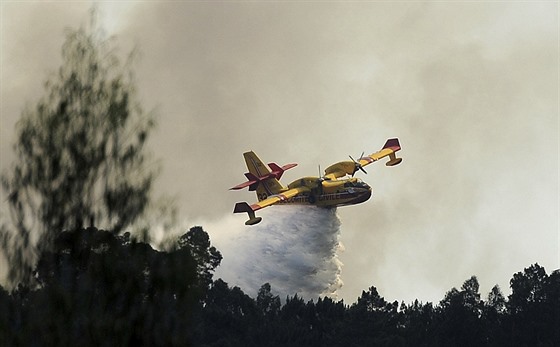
[99,288]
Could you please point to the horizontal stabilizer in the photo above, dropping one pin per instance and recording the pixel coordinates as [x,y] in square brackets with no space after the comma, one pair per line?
[252,182]
[243,185]
[278,171]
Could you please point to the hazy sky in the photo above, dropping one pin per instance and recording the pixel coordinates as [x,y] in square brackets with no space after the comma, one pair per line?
[470,88]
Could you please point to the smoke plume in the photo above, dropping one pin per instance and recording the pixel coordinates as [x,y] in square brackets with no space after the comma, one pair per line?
[470,88]
[294,249]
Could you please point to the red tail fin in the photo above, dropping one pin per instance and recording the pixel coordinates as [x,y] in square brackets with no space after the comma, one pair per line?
[392,144]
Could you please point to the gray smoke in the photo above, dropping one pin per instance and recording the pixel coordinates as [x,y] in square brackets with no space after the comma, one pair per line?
[294,248]
[470,88]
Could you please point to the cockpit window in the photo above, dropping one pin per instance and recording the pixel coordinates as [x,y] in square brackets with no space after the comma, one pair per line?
[358,183]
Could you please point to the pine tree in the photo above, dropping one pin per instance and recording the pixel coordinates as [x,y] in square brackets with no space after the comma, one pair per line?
[80,151]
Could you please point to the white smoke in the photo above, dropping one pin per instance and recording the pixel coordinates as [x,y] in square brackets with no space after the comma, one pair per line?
[294,248]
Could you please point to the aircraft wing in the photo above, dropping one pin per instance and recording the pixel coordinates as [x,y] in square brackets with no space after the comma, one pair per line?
[271,200]
[348,167]
[389,149]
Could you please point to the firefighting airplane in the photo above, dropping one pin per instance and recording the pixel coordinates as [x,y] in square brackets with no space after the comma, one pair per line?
[331,190]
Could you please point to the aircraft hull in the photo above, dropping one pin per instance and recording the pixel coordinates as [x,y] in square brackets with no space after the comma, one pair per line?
[331,199]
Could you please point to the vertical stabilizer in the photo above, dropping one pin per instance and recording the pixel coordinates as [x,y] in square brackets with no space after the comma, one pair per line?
[268,184]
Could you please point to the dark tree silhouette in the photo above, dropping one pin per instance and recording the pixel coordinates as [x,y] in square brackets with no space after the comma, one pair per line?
[534,307]
[493,317]
[460,316]
[207,257]
[97,288]
[375,318]
[80,151]
[268,303]
[418,323]
[228,318]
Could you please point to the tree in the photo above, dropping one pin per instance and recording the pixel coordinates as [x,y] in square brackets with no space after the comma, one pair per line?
[532,308]
[460,313]
[7,317]
[552,316]
[528,289]
[371,301]
[493,317]
[267,303]
[471,296]
[98,288]
[207,257]
[418,323]
[374,320]
[228,318]
[80,150]
[496,301]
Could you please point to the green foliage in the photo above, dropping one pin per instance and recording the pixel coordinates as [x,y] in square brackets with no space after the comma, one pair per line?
[228,317]
[97,288]
[461,311]
[268,303]
[207,257]
[80,150]
[534,307]
[418,323]
[461,318]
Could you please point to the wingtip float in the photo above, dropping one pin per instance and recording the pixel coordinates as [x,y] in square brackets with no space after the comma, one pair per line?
[338,187]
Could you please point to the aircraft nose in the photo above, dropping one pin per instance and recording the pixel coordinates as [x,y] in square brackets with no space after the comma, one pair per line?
[363,195]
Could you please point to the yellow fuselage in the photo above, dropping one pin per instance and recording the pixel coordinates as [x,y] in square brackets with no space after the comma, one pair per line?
[330,193]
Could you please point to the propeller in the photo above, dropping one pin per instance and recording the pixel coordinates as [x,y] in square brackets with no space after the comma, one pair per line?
[357,165]
[321,177]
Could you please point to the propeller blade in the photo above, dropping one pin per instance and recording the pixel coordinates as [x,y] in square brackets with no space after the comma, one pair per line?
[357,165]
